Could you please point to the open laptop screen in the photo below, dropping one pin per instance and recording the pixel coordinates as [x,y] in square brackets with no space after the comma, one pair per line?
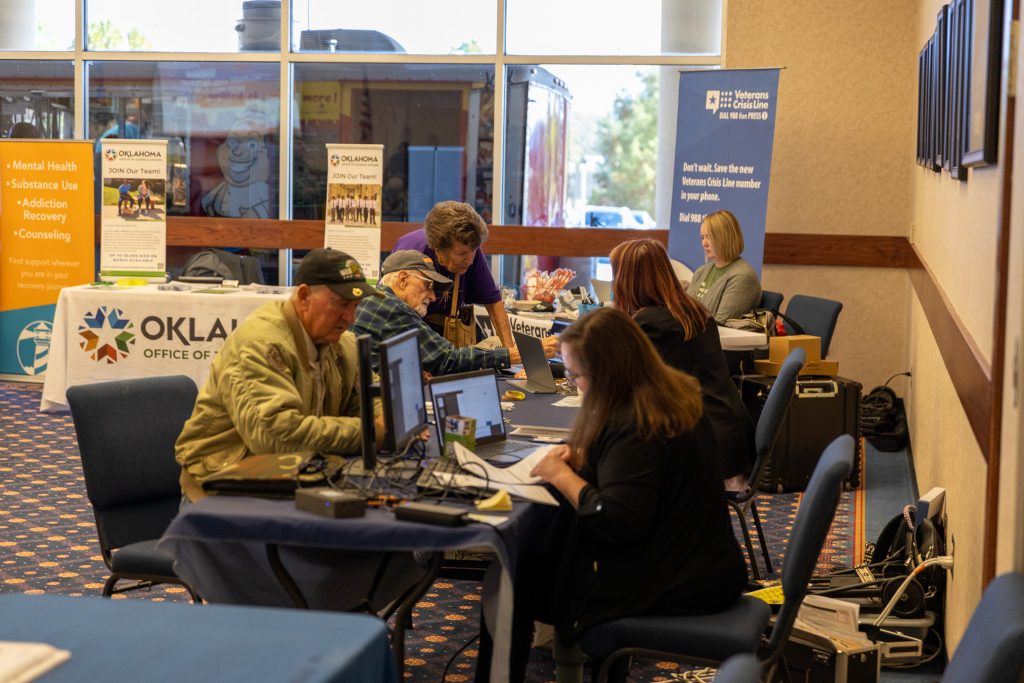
[473,394]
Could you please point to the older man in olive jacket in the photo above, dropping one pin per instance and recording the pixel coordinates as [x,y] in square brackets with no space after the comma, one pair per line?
[286,379]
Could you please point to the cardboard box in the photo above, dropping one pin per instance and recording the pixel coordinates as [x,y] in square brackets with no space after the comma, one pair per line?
[780,347]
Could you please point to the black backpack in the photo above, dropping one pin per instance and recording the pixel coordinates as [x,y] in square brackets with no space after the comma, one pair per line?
[224,264]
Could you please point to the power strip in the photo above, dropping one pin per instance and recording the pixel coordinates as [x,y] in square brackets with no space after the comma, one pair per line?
[427,513]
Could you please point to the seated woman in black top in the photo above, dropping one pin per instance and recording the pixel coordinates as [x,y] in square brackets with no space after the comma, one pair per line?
[650,532]
[686,336]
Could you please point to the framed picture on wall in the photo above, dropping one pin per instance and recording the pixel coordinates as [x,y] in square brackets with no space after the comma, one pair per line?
[941,79]
[984,51]
[958,41]
[922,105]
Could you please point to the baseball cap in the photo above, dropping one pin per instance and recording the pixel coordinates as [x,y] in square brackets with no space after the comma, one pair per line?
[337,270]
[410,259]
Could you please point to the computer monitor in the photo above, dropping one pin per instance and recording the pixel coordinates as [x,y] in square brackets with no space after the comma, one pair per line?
[401,381]
[368,390]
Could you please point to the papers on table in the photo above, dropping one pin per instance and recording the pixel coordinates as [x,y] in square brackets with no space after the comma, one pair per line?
[569,402]
[515,479]
[23,662]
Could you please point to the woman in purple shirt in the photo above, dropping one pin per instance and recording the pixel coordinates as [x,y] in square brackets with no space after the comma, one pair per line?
[451,236]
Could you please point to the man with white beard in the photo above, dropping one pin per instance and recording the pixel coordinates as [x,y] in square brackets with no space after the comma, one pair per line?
[409,283]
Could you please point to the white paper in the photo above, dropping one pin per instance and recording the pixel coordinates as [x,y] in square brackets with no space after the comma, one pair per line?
[831,615]
[530,492]
[493,520]
[518,473]
[23,662]
[570,402]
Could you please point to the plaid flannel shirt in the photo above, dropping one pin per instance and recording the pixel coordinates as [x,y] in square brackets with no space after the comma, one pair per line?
[384,318]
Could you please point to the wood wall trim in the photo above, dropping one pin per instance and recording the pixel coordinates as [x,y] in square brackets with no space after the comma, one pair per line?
[859,251]
[877,251]
[970,373]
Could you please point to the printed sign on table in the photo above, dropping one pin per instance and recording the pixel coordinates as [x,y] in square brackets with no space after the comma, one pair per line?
[724,138]
[46,242]
[133,236]
[355,174]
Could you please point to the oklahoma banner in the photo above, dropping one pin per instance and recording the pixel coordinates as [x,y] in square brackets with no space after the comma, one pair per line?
[355,174]
[46,242]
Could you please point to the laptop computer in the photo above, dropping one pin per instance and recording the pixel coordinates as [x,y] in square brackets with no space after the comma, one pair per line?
[602,290]
[539,379]
[475,394]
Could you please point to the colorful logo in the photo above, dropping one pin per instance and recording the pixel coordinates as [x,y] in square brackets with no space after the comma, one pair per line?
[106,334]
[34,347]
[335,160]
[110,155]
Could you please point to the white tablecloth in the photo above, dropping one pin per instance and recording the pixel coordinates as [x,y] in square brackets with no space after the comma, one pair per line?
[104,333]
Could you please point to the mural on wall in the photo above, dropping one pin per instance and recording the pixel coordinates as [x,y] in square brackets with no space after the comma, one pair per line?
[244,162]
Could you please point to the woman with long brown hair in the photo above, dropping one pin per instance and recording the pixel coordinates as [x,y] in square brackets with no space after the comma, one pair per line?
[650,532]
[686,336]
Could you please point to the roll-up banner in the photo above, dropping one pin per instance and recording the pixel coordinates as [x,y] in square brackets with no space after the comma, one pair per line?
[724,137]
[355,174]
[133,223]
[46,242]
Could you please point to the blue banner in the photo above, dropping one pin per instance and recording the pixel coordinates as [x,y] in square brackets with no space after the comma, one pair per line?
[723,157]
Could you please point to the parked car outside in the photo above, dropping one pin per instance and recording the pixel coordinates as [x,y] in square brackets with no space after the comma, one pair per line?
[608,217]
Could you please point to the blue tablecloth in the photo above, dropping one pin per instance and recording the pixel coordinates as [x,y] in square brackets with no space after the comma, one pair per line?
[137,640]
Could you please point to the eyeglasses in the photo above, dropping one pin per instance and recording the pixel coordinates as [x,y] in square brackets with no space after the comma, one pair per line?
[571,376]
[428,282]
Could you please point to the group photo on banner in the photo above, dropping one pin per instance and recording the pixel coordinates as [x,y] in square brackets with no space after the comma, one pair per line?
[355,179]
[46,242]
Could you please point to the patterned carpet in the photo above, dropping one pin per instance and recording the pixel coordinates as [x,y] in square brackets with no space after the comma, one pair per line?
[48,543]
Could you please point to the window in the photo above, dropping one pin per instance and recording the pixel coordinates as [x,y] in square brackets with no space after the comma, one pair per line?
[221,120]
[441,27]
[37,99]
[38,25]
[183,26]
[435,121]
[584,119]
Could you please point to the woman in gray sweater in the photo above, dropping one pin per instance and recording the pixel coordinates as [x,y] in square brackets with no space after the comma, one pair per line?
[726,285]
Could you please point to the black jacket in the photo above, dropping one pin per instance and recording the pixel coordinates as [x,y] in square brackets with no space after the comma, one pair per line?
[702,357]
[651,534]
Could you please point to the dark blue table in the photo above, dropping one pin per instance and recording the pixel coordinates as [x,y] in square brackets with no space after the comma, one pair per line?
[137,640]
[233,549]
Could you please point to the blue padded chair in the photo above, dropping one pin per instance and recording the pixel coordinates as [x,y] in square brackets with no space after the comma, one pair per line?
[771,300]
[126,433]
[769,424]
[816,316]
[739,669]
[992,647]
[713,638]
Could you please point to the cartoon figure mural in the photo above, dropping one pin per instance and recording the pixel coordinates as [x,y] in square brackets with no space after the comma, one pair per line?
[245,164]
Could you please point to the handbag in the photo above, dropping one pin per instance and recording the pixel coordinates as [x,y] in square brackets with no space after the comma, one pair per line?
[460,324]
[761,320]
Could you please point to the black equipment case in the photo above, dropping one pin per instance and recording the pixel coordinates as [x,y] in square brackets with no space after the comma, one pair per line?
[822,409]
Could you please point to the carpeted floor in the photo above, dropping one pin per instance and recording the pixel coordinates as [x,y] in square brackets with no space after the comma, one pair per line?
[48,543]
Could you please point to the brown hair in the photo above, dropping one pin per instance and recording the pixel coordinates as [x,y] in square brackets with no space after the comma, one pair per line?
[644,277]
[451,222]
[725,234]
[628,383]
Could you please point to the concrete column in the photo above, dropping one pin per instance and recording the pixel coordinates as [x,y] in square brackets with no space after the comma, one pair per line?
[694,26]
[17,24]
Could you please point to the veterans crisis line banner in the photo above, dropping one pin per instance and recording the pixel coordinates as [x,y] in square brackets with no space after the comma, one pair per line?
[46,242]
[724,137]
